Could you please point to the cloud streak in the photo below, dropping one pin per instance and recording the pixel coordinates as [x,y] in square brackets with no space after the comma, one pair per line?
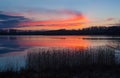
[61,17]
[44,17]
[8,21]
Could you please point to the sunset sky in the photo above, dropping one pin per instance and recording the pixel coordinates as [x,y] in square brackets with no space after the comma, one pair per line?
[58,14]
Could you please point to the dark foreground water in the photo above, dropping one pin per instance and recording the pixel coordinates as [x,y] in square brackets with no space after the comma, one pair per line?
[13,49]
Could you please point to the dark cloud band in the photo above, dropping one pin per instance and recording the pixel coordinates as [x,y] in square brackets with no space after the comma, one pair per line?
[9,21]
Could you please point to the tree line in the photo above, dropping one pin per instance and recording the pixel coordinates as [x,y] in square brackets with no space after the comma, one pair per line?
[94,30]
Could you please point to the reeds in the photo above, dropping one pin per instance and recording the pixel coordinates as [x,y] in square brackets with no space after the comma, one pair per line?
[97,62]
[55,59]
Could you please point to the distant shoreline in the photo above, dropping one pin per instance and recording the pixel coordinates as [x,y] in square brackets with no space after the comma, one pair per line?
[112,31]
[54,35]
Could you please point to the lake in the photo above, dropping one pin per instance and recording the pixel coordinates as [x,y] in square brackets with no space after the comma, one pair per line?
[16,47]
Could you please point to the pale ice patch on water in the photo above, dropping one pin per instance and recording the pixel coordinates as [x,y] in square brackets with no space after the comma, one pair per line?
[9,48]
[2,48]
[117,56]
[14,62]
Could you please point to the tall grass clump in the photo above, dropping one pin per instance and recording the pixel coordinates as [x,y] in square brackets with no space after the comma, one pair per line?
[55,59]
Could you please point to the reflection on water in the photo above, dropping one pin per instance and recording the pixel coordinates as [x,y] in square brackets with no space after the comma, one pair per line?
[9,44]
[18,46]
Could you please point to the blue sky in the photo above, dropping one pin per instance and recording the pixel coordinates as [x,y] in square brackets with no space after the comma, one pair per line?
[95,10]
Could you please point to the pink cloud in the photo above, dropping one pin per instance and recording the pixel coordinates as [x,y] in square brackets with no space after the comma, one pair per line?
[45,17]
[60,17]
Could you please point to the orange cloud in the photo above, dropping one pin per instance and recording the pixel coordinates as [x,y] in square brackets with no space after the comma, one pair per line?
[72,19]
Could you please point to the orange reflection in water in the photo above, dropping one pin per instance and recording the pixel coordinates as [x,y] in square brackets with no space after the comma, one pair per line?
[55,41]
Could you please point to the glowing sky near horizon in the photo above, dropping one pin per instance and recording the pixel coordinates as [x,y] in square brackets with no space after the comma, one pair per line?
[58,14]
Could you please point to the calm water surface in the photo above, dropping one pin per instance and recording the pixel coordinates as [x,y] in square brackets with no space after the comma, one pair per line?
[16,47]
